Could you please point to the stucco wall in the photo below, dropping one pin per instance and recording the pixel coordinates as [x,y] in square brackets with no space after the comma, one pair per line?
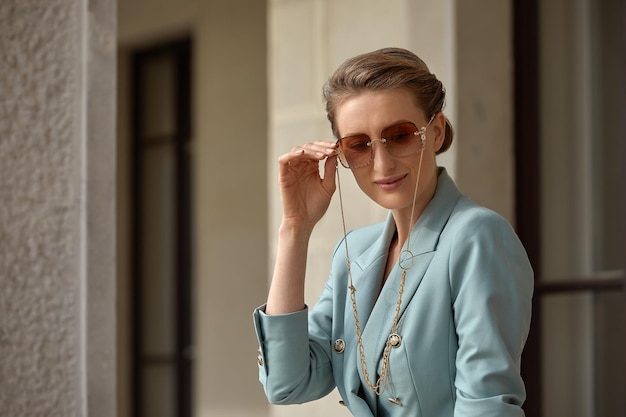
[56,210]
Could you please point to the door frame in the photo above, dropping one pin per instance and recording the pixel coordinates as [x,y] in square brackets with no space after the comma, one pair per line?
[528,198]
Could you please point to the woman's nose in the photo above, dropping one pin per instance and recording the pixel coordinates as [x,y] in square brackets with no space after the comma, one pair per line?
[382,159]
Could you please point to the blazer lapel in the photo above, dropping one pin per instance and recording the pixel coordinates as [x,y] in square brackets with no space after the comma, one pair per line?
[367,271]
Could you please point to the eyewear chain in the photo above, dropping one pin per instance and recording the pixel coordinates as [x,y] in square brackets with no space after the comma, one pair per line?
[393,339]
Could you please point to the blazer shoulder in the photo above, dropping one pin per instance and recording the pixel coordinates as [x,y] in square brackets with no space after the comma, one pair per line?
[470,216]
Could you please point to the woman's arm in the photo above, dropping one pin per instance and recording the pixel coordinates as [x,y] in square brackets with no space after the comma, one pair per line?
[492,285]
[305,198]
[294,366]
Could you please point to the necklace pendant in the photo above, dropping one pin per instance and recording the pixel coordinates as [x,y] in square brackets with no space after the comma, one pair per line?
[395,340]
[405,260]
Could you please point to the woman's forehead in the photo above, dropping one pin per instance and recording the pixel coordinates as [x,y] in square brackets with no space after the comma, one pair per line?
[372,111]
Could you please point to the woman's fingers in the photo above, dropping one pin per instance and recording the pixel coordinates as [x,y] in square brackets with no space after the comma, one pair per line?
[312,151]
[304,159]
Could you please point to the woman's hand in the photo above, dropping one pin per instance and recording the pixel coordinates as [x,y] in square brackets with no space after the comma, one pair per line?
[305,194]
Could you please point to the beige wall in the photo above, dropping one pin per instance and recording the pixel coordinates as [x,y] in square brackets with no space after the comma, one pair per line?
[230,224]
[484,74]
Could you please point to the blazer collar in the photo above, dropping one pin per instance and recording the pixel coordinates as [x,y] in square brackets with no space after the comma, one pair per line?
[425,233]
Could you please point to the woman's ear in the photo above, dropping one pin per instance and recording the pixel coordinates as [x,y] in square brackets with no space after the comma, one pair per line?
[439,127]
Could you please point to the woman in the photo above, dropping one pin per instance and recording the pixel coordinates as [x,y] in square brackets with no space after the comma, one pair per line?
[425,314]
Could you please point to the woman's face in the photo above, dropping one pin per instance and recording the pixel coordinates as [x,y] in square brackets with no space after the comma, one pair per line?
[388,180]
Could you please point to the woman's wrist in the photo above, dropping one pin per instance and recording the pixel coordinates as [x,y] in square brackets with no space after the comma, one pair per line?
[294,231]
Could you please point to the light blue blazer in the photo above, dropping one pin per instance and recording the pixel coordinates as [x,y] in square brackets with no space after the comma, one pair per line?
[464,319]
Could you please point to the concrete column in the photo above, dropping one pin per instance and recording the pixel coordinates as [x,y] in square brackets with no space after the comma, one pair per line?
[484,87]
[57,334]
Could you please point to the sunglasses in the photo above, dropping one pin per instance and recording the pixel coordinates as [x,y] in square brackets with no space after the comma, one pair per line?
[400,140]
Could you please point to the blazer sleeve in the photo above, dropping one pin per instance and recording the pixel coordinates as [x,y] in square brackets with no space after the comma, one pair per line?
[294,352]
[491,284]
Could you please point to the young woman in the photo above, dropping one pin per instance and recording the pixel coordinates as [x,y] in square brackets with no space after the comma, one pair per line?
[425,314]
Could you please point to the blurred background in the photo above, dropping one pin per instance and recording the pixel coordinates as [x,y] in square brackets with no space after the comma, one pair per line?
[201,98]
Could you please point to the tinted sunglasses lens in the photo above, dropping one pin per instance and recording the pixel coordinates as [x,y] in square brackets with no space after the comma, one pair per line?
[356,151]
[401,139]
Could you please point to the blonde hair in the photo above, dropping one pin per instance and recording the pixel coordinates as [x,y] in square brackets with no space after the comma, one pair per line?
[387,69]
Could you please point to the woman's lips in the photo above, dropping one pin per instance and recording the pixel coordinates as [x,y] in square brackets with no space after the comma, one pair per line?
[391,183]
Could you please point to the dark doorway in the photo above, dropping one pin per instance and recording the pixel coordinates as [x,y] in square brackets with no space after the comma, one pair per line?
[161,239]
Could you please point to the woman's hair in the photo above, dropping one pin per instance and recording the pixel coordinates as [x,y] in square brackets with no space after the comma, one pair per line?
[387,69]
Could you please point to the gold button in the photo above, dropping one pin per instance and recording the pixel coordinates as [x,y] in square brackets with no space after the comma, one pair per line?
[339,346]
[260,360]
[342,403]
[395,340]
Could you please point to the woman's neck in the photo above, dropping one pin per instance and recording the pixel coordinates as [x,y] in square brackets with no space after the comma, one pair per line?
[407,217]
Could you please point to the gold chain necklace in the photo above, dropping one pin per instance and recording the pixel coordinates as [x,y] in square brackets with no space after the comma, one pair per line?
[405,262]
